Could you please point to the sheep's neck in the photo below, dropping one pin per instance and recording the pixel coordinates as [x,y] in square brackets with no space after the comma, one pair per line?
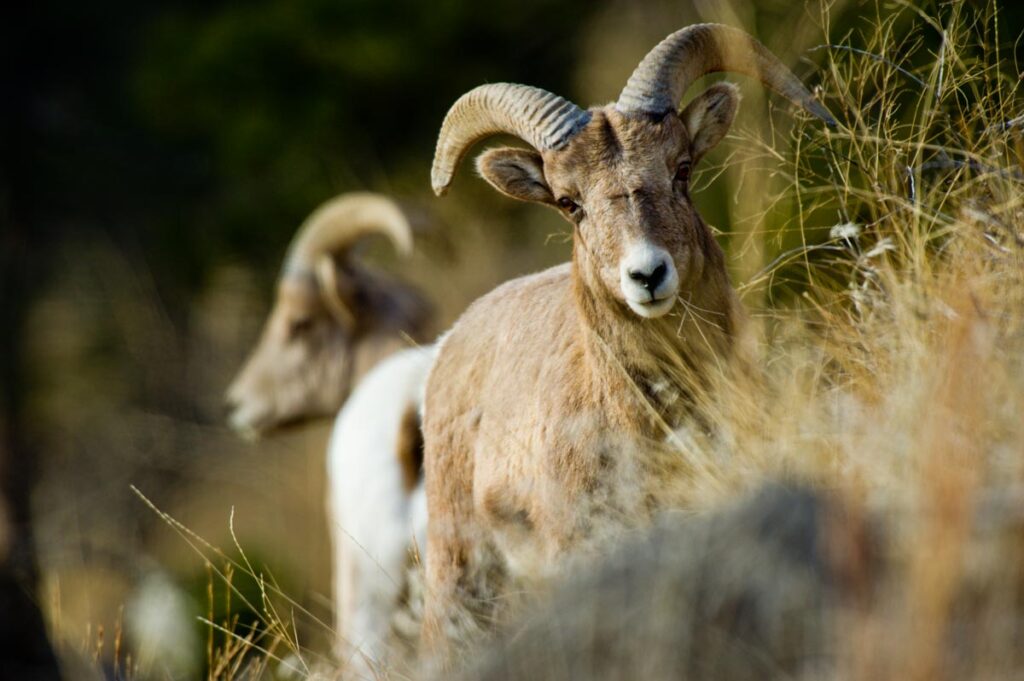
[634,364]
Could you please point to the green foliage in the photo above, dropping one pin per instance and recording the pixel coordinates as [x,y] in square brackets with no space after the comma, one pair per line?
[287,103]
[194,131]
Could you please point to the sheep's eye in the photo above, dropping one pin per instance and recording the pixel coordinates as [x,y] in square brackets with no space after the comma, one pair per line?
[299,326]
[683,172]
[567,204]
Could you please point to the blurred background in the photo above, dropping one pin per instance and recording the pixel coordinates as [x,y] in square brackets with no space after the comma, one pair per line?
[156,159]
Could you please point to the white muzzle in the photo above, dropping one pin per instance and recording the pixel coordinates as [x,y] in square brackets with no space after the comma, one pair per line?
[649,280]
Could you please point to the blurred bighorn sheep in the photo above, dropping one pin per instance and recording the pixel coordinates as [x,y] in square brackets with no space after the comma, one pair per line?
[377,508]
[334,318]
[333,321]
[549,402]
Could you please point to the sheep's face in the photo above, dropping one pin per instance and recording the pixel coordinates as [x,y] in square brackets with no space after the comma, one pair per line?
[623,181]
[300,367]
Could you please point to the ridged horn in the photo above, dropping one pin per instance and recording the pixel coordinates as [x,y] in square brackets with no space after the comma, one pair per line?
[662,78]
[338,223]
[540,118]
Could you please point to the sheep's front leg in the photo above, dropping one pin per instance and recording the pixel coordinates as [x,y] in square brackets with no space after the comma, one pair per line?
[447,621]
[452,552]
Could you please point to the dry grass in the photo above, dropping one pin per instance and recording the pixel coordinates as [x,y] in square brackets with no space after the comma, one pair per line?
[891,349]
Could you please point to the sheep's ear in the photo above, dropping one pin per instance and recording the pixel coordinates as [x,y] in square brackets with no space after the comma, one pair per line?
[519,173]
[708,117]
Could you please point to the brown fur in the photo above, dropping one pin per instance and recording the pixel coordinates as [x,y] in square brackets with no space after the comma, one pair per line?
[549,403]
[410,448]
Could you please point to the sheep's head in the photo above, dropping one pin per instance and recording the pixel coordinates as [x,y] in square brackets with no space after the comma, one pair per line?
[623,181]
[302,366]
[620,173]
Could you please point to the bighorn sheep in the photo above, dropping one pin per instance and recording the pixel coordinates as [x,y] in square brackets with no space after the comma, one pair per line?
[333,321]
[548,404]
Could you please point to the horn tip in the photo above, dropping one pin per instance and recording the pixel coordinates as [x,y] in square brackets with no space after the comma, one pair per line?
[440,181]
[818,109]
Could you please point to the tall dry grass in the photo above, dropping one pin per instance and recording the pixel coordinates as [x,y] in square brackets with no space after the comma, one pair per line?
[887,343]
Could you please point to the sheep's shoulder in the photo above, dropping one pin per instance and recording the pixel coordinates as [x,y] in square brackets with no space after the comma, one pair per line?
[511,362]
[520,328]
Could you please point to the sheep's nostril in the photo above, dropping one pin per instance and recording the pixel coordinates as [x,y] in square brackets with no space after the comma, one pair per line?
[657,276]
[650,280]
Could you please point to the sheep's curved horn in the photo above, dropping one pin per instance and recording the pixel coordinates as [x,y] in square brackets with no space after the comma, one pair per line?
[542,119]
[662,78]
[338,223]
